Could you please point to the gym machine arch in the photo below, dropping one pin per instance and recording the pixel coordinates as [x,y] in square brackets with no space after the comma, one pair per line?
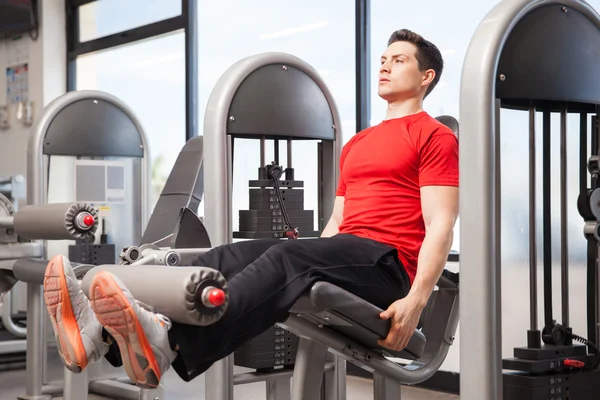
[78,124]
[510,64]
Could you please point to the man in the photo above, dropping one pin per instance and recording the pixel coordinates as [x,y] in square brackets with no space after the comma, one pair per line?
[387,241]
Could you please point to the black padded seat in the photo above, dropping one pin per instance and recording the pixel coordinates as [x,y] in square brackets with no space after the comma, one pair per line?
[354,317]
[450,122]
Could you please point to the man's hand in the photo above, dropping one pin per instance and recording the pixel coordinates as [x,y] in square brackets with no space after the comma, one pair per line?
[404,315]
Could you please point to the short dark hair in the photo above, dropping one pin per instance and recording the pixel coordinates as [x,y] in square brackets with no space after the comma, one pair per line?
[428,55]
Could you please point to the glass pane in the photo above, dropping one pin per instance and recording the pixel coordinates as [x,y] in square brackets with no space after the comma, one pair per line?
[106,17]
[320,33]
[441,28]
[149,77]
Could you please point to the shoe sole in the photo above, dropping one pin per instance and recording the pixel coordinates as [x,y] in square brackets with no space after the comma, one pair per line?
[116,314]
[66,329]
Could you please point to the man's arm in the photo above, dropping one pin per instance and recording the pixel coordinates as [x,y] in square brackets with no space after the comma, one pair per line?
[440,211]
[336,218]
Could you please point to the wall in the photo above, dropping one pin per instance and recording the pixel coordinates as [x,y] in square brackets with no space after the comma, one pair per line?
[46,58]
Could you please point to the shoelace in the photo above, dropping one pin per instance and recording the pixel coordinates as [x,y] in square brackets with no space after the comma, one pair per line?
[159,318]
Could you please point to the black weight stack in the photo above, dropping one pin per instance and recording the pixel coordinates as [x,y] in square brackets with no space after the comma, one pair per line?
[265,218]
[276,347]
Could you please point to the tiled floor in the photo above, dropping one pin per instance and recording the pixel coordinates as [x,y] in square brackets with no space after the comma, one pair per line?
[12,384]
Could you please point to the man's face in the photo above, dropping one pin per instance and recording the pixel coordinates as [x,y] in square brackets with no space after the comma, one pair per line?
[399,75]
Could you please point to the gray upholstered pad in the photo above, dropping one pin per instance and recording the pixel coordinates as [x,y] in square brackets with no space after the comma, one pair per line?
[353,317]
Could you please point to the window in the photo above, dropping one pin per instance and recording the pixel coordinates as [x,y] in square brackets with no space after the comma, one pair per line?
[149,76]
[320,33]
[440,27]
[107,17]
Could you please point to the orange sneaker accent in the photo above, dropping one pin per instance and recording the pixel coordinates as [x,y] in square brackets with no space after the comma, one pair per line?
[116,314]
[68,335]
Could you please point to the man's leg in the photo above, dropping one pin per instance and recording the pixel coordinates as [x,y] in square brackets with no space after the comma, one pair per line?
[80,336]
[262,294]
[76,329]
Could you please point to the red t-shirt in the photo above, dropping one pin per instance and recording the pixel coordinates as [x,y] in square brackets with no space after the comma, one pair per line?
[382,169]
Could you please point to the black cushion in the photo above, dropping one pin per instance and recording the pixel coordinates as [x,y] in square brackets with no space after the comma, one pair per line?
[355,318]
[450,122]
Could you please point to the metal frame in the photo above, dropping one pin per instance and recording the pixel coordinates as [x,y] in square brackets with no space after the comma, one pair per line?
[363,70]
[481,327]
[218,174]
[189,10]
[37,191]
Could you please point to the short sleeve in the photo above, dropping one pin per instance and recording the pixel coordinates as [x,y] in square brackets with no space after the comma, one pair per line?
[438,164]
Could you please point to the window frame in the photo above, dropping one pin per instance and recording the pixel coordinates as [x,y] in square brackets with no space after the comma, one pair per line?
[187,22]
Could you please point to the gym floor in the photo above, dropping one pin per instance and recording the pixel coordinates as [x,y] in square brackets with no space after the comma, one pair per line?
[12,384]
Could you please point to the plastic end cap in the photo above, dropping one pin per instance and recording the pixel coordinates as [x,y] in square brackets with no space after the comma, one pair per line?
[88,220]
[216,297]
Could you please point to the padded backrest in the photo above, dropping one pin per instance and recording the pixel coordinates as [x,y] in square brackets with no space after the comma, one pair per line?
[184,189]
[450,122]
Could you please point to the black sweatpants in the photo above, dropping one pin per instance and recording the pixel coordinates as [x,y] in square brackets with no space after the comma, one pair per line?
[266,277]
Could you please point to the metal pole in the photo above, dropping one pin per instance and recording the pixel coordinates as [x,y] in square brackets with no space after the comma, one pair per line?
[564,249]
[279,389]
[6,222]
[596,286]
[532,225]
[36,194]
[597,297]
[217,219]
[385,388]
[546,217]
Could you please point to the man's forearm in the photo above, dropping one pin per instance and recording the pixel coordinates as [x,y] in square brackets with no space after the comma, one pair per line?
[432,260]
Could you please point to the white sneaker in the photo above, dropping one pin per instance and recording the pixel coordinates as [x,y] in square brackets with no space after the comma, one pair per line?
[76,328]
[142,335]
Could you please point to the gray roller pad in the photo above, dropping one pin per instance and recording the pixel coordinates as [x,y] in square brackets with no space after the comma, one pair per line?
[170,291]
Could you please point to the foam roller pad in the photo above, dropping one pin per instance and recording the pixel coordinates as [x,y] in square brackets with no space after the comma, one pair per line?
[53,221]
[170,291]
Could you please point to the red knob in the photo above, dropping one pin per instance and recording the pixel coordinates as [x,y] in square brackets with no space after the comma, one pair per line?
[574,363]
[88,220]
[216,297]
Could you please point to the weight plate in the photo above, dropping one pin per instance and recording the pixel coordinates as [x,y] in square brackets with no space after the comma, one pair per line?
[251,223]
[274,199]
[7,210]
[273,192]
[292,214]
[276,227]
[272,235]
[6,207]
[263,205]
[268,183]
[595,203]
